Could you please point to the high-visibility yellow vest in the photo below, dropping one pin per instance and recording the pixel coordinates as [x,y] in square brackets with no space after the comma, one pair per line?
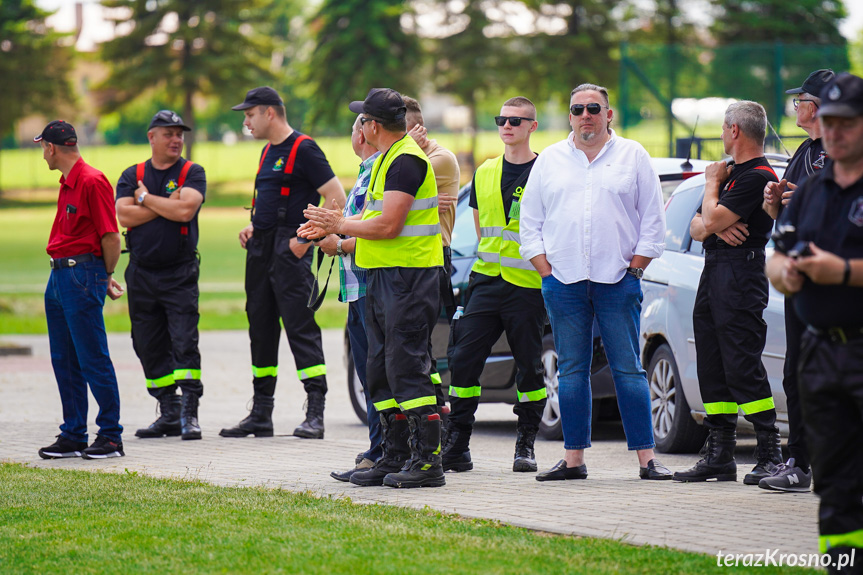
[497,254]
[419,243]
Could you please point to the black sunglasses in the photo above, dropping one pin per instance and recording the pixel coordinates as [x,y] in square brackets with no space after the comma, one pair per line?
[514,121]
[578,109]
[364,120]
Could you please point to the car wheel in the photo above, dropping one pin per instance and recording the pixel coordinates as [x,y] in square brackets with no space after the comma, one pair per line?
[550,426]
[674,430]
[355,390]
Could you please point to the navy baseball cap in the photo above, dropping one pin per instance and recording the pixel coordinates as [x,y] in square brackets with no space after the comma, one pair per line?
[58,132]
[263,96]
[842,97]
[168,119]
[382,103]
[814,83]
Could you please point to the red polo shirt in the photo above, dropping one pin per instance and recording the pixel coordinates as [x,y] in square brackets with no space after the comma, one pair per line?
[85,213]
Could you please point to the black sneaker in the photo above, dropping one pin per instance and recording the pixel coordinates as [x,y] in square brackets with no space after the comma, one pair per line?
[63,448]
[103,448]
[787,477]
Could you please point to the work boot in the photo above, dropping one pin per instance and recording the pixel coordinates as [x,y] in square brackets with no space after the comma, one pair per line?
[768,454]
[456,455]
[394,448]
[168,423]
[525,460]
[717,459]
[424,468]
[313,426]
[189,416]
[259,422]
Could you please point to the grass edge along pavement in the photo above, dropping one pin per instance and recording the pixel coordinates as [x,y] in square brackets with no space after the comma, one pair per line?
[63,521]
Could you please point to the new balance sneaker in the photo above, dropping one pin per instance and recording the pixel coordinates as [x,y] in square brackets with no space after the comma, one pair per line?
[787,477]
[63,448]
[103,448]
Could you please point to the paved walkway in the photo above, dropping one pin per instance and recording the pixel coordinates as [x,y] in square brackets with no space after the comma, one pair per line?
[611,503]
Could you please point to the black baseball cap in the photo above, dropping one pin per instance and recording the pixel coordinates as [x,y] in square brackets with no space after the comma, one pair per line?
[263,96]
[58,132]
[814,82]
[842,97]
[382,103]
[168,119]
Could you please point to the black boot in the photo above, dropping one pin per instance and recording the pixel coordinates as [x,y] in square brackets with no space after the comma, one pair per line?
[525,460]
[313,426]
[717,460]
[168,423]
[768,454]
[424,468]
[395,451]
[259,422]
[189,416]
[456,455]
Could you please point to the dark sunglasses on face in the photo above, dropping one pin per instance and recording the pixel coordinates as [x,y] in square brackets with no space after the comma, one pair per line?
[593,109]
[514,121]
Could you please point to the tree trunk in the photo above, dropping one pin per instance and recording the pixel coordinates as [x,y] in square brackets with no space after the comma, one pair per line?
[189,118]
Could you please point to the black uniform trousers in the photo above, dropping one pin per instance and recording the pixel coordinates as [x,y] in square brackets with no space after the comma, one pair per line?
[831,395]
[402,306]
[794,329]
[278,285]
[730,333]
[447,306]
[495,306]
[163,309]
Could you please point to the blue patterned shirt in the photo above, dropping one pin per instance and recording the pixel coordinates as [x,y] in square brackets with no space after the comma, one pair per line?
[352,278]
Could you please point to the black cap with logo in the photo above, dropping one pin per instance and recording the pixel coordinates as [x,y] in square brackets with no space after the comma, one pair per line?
[263,96]
[168,119]
[382,103]
[842,97]
[58,132]
[814,82]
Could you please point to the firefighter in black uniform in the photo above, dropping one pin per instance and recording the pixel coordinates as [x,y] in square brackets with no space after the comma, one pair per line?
[292,173]
[823,267]
[810,157]
[730,332]
[158,202]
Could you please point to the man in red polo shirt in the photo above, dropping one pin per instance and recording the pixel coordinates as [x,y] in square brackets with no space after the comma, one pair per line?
[84,247]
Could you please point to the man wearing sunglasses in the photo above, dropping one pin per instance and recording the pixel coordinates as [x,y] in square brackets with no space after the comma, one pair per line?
[591,220]
[504,296]
[158,202]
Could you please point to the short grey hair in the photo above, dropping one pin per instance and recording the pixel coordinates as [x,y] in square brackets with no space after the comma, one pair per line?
[750,117]
[591,88]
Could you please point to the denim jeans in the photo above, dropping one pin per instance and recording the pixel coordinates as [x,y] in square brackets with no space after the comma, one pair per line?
[360,351]
[617,309]
[74,299]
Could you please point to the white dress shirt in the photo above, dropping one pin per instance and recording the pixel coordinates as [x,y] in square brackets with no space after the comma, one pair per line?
[591,218]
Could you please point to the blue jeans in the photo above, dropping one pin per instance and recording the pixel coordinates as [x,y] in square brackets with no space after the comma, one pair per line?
[360,352]
[617,308]
[74,299]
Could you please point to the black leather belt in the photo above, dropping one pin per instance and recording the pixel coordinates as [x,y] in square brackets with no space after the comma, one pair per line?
[71,261]
[838,334]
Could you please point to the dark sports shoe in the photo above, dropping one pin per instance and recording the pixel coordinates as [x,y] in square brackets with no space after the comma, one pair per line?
[787,477]
[103,448]
[63,448]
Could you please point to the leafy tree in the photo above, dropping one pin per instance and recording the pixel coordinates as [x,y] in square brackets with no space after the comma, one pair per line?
[182,49]
[33,64]
[797,22]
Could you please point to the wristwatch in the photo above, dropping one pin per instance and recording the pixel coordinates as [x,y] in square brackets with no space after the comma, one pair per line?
[339,251]
[637,272]
[141,197]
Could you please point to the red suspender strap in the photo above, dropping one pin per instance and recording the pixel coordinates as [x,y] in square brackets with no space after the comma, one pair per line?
[139,172]
[289,166]
[183,173]
[264,155]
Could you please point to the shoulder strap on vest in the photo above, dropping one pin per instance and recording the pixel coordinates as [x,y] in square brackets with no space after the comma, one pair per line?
[184,171]
[292,157]
[139,172]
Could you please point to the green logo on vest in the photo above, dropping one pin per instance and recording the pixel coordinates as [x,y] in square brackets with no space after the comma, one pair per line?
[171,186]
[279,165]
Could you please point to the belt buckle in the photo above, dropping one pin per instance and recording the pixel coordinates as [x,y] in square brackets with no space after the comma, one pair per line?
[71,263]
[837,334]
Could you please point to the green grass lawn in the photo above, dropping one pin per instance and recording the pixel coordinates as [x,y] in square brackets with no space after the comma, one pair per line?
[61,521]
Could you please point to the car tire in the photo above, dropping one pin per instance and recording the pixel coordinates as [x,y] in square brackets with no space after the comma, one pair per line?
[355,390]
[674,429]
[550,426]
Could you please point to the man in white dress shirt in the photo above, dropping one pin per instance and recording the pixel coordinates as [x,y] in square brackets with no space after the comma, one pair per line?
[592,219]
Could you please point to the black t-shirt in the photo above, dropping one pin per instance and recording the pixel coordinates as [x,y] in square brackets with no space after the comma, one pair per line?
[831,218]
[311,171]
[162,242]
[808,159]
[406,174]
[510,175]
[743,194]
